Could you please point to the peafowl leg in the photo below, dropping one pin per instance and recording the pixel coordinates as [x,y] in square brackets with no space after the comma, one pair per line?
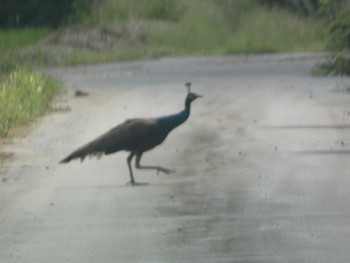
[129,159]
[158,168]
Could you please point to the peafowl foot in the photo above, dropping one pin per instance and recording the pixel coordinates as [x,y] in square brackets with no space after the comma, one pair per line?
[164,170]
[133,183]
[153,167]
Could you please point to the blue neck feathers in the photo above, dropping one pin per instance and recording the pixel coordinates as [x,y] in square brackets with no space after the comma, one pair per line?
[170,122]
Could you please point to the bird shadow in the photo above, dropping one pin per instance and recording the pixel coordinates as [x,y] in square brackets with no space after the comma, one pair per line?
[128,184]
[137,184]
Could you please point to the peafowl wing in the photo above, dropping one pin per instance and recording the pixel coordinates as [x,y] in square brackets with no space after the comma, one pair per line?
[136,135]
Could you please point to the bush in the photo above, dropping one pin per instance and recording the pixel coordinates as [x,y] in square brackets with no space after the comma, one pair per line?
[23,97]
[339,43]
[337,65]
[339,30]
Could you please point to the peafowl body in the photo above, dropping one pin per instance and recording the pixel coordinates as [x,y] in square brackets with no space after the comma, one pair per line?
[136,136]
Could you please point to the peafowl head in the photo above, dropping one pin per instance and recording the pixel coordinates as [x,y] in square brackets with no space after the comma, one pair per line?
[190,95]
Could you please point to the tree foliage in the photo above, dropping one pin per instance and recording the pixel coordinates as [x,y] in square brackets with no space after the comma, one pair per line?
[305,7]
[338,23]
[339,44]
[17,13]
[339,30]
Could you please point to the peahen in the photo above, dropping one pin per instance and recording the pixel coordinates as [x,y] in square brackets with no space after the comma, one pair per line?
[136,136]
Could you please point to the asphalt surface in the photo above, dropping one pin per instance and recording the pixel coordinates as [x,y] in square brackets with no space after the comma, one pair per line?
[262,167]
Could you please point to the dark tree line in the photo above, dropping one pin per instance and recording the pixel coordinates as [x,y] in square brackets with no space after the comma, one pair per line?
[307,7]
[18,13]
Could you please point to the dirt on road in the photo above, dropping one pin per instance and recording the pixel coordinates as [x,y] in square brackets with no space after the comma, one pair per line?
[262,167]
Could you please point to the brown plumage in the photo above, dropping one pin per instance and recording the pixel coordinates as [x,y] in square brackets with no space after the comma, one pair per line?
[136,136]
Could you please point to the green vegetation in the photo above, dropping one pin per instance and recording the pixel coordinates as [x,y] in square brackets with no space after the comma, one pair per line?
[92,31]
[338,28]
[337,65]
[339,43]
[304,7]
[277,30]
[106,11]
[12,39]
[226,26]
[202,29]
[51,13]
[24,96]
[107,30]
[110,30]
[153,28]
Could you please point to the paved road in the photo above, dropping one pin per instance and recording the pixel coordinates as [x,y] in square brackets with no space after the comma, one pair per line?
[262,168]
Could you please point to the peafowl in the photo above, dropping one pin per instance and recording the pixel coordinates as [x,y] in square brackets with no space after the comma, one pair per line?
[136,136]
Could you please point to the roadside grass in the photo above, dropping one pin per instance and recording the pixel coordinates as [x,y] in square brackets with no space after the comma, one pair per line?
[191,27]
[11,42]
[24,95]
[201,30]
[119,30]
[14,38]
[200,27]
[107,11]
[276,30]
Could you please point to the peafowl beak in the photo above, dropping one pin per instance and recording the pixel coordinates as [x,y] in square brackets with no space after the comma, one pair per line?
[193,96]
[196,96]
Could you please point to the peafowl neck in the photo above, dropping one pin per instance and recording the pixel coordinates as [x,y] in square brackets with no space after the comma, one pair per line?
[170,122]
